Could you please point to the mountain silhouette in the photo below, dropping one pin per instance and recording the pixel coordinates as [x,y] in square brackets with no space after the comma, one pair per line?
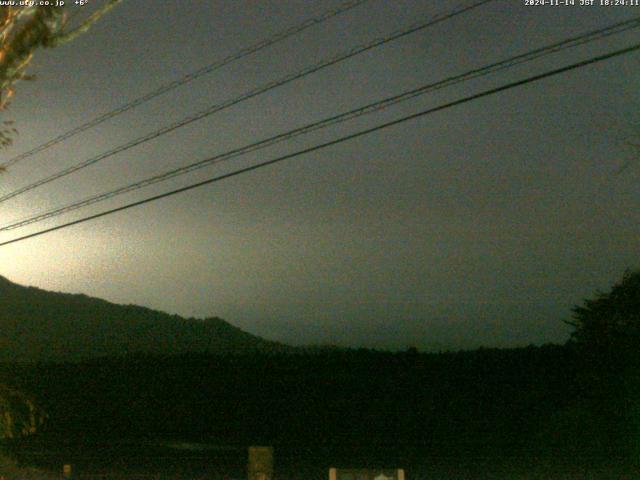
[39,325]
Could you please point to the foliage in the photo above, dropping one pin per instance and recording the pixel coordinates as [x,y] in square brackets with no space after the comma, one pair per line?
[343,404]
[19,415]
[9,470]
[22,31]
[607,338]
[484,402]
[612,320]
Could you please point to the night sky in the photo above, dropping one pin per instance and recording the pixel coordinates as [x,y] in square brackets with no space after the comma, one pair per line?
[479,225]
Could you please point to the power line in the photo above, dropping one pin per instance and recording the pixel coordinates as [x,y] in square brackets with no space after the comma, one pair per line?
[367,109]
[246,96]
[167,87]
[345,138]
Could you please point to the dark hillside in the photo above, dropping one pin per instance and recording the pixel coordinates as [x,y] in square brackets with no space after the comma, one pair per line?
[38,325]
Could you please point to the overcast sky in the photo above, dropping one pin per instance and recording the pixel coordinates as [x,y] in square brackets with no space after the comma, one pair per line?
[479,225]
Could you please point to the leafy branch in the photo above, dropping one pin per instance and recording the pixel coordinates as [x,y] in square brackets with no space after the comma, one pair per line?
[23,30]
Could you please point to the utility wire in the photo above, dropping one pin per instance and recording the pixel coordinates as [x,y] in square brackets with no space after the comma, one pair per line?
[367,109]
[246,96]
[161,90]
[339,140]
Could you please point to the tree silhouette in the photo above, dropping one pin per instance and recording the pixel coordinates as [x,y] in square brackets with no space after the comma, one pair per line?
[611,320]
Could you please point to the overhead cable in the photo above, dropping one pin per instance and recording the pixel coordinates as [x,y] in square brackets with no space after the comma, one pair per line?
[167,87]
[367,109]
[246,96]
[339,140]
